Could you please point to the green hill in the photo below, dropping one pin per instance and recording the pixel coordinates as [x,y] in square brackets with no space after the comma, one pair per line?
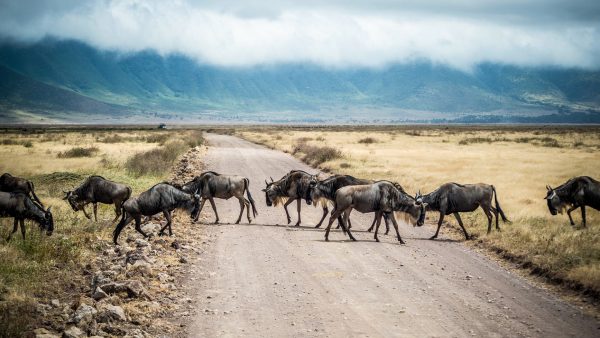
[70,80]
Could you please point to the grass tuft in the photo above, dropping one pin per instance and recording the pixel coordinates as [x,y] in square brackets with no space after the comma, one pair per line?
[78,152]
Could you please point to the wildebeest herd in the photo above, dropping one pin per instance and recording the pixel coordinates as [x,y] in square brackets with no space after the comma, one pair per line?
[346,193]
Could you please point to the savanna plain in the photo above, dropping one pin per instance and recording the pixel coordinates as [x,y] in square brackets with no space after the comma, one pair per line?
[518,161]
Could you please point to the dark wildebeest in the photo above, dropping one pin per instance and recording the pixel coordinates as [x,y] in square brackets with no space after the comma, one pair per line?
[20,207]
[97,189]
[10,183]
[211,185]
[323,191]
[294,186]
[381,197]
[577,192]
[162,197]
[452,198]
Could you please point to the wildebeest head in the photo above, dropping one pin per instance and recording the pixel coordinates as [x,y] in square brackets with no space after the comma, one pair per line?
[555,204]
[271,193]
[74,201]
[48,222]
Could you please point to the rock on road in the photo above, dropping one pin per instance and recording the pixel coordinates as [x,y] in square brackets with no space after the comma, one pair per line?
[273,280]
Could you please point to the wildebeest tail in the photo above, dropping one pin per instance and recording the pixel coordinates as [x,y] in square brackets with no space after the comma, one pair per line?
[120,226]
[30,184]
[247,183]
[500,211]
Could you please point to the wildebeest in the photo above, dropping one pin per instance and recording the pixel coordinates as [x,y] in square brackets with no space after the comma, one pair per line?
[452,198]
[10,183]
[380,197]
[294,186]
[211,185]
[323,191]
[21,207]
[97,189]
[162,197]
[577,192]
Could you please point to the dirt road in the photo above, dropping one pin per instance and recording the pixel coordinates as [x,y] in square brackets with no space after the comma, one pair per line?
[268,279]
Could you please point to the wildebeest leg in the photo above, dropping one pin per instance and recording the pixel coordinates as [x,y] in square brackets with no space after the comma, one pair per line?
[495,212]
[212,204]
[439,225]
[241,200]
[373,224]
[387,222]
[334,215]
[289,219]
[569,213]
[396,227]
[298,207]
[200,209]
[247,203]
[167,215]
[345,221]
[378,221]
[85,212]
[583,214]
[457,216]
[121,226]
[325,212]
[488,214]
[349,223]
[96,212]
[15,228]
[138,226]
[22,221]
[117,211]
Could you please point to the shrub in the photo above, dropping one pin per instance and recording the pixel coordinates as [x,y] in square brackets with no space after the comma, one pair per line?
[470,140]
[195,138]
[550,142]
[79,152]
[156,161]
[368,140]
[157,138]
[27,144]
[345,165]
[315,155]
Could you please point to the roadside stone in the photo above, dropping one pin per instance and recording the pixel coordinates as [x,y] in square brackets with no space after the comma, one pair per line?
[108,313]
[55,303]
[82,312]
[73,332]
[44,333]
[175,245]
[140,268]
[141,243]
[136,333]
[99,294]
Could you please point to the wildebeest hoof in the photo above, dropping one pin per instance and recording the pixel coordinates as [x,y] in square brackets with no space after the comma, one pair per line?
[297,224]
[402,242]
[369,229]
[160,234]
[376,239]
[433,237]
[318,226]
[353,239]
[237,222]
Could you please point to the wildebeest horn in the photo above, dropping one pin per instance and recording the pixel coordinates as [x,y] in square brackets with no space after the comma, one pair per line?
[48,210]
[272,180]
[548,187]
[267,183]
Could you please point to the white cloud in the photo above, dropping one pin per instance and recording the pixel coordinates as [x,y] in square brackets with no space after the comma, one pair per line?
[233,33]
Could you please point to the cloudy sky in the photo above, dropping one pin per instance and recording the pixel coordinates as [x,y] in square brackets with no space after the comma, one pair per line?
[336,33]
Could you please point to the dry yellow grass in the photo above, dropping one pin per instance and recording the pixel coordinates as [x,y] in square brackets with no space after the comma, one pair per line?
[43,265]
[518,162]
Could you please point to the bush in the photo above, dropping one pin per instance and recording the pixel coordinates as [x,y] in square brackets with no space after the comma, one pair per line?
[157,138]
[368,140]
[315,155]
[27,144]
[550,142]
[156,161]
[470,140]
[195,138]
[79,152]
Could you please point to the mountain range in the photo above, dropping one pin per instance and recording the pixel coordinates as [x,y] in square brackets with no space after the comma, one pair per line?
[54,81]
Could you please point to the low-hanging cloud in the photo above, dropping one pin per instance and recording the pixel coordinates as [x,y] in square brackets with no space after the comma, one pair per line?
[336,34]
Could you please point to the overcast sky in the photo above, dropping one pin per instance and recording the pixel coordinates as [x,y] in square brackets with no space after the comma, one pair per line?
[337,33]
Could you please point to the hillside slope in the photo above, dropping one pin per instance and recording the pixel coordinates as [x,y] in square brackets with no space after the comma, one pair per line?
[177,85]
